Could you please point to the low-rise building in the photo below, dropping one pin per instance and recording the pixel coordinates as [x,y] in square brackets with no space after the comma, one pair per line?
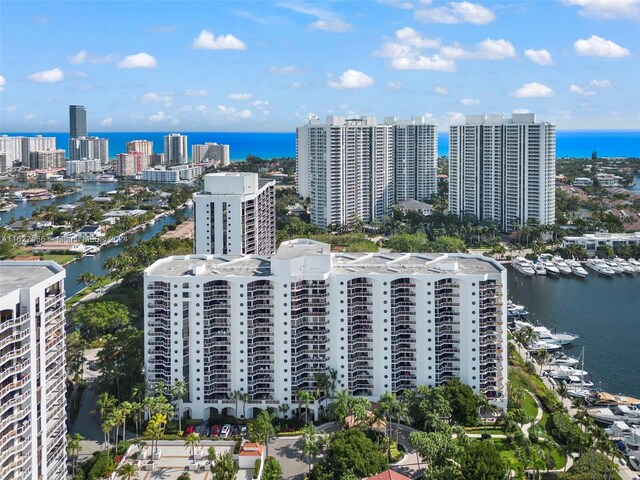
[160,175]
[85,165]
[593,242]
[582,182]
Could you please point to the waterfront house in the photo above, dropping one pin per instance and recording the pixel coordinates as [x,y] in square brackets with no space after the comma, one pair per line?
[90,233]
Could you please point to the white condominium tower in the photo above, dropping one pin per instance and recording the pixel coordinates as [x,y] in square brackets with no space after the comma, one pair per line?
[175,149]
[235,214]
[210,152]
[415,158]
[503,170]
[89,148]
[32,371]
[346,168]
[267,325]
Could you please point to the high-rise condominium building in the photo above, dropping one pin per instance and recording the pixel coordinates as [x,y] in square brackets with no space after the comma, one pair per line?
[503,170]
[210,152]
[345,167]
[3,162]
[32,371]
[46,159]
[131,164]
[267,325]
[142,146]
[18,148]
[156,159]
[175,149]
[77,121]
[89,147]
[235,214]
[80,167]
[415,158]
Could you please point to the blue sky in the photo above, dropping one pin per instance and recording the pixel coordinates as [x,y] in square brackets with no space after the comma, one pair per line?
[265,66]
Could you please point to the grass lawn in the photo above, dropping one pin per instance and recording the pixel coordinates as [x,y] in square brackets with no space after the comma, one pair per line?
[480,430]
[529,405]
[507,452]
[60,258]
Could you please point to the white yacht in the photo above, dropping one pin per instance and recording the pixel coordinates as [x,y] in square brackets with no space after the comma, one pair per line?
[563,372]
[578,391]
[545,260]
[544,334]
[608,415]
[577,382]
[539,345]
[562,265]
[600,266]
[626,266]
[614,266]
[562,359]
[539,268]
[577,269]
[635,264]
[523,266]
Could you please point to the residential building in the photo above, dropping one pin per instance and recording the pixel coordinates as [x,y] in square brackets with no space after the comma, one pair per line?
[17,149]
[345,168]
[3,163]
[89,147]
[80,167]
[235,214]
[594,242]
[210,153]
[156,159]
[190,172]
[415,158]
[267,325]
[503,169]
[175,149]
[142,146]
[77,121]
[160,175]
[32,371]
[131,164]
[608,179]
[12,148]
[46,159]
[582,182]
[415,206]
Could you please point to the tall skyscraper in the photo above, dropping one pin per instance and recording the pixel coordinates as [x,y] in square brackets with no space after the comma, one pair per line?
[210,152]
[415,158]
[503,170]
[18,148]
[32,371]
[77,121]
[345,167]
[175,149]
[267,325]
[46,159]
[89,148]
[235,214]
[142,146]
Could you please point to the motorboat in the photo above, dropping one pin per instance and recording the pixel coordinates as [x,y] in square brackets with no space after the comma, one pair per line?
[523,266]
[614,266]
[602,399]
[618,429]
[575,381]
[562,359]
[545,260]
[515,310]
[635,264]
[539,345]
[577,391]
[562,265]
[608,415]
[544,334]
[539,268]
[600,266]
[633,440]
[563,372]
[577,269]
[626,266]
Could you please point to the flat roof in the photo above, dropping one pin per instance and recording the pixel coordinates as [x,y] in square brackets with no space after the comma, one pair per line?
[24,274]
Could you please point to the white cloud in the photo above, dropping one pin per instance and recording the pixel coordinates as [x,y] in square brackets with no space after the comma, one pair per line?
[79,57]
[395,50]
[165,98]
[233,113]
[600,83]
[207,41]
[51,122]
[287,70]
[521,110]
[202,109]
[453,118]
[106,122]
[29,116]
[456,12]
[608,9]
[197,93]
[162,117]
[443,91]
[581,91]
[260,104]
[297,85]
[47,76]
[533,90]
[138,60]
[599,47]
[488,49]
[12,108]
[470,101]
[393,85]
[412,37]
[402,4]
[3,82]
[351,79]
[245,113]
[541,57]
[431,62]
[331,25]
[239,97]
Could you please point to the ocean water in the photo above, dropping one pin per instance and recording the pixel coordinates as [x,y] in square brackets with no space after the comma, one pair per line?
[570,143]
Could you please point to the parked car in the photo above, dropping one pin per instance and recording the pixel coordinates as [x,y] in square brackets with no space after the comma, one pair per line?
[235,431]
[190,429]
[243,430]
[215,431]
[226,430]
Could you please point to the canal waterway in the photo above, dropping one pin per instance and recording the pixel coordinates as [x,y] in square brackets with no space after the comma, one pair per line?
[604,311]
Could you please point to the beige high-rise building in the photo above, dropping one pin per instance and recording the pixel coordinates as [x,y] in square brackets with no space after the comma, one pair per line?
[131,164]
[46,159]
[210,152]
[142,146]
[32,371]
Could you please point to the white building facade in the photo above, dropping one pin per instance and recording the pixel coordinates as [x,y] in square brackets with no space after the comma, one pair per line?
[89,147]
[235,214]
[175,149]
[266,325]
[17,149]
[32,371]
[503,170]
[211,152]
[80,167]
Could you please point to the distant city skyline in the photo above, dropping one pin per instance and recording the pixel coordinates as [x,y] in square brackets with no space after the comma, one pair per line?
[266,66]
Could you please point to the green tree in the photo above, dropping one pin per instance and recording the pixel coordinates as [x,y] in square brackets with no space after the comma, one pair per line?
[73,450]
[427,407]
[481,460]
[260,428]
[224,467]
[121,362]
[463,402]
[86,278]
[100,317]
[310,443]
[272,469]
[128,471]
[178,392]
[192,441]
[435,448]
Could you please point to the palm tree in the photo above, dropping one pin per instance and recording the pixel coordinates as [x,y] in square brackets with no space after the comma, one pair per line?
[244,398]
[192,441]
[155,432]
[225,468]
[543,358]
[126,408]
[137,409]
[283,408]
[178,391]
[485,407]
[261,428]
[73,450]
[310,443]
[361,411]
[107,426]
[86,278]
[388,404]
[304,397]
[235,396]
[128,471]
[341,406]
[105,404]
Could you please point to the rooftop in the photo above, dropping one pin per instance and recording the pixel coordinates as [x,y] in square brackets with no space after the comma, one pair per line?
[388,475]
[24,274]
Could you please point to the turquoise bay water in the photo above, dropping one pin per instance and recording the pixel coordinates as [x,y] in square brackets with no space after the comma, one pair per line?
[570,143]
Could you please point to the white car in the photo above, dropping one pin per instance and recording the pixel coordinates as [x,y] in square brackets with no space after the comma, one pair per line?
[226,429]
